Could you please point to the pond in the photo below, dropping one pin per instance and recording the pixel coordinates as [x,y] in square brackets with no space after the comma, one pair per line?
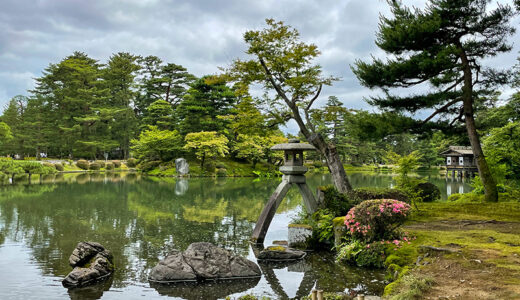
[142,219]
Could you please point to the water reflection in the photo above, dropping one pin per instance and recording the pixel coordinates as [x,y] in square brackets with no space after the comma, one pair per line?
[142,219]
[207,290]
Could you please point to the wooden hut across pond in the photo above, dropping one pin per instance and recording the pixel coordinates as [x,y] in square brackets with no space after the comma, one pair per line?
[293,174]
[460,160]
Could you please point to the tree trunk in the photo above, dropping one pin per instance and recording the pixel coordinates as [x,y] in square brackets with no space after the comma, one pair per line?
[490,186]
[329,151]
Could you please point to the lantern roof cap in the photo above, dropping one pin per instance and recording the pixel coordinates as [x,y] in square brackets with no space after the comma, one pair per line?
[293,144]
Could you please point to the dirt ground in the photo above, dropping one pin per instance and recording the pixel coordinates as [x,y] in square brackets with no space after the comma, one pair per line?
[477,259]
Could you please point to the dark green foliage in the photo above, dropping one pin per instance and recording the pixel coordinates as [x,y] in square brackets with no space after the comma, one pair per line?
[363,194]
[362,255]
[117,164]
[131,162]
[428,192]
[82,164]
[221,172]
[208,99]
[148,165]
[101,163]
[59,167]
[339,204]
[109,166]
[94,166]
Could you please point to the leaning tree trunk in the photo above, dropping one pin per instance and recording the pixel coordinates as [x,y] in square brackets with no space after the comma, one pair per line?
[339,176]
[490,186]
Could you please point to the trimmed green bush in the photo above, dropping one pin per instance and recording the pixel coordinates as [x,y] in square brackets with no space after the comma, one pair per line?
[131,162]
[101,163]
[94,166]
[59,167]
[117,164]
[220,165]
[149,165]
[109,166]
[428,192]
[82,164]
[221,172]
[339,204]
[48,164]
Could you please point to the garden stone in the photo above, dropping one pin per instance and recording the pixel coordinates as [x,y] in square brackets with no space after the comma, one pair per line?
[182,166]
[280,253]
[203,261]
[91,262]
[299,235]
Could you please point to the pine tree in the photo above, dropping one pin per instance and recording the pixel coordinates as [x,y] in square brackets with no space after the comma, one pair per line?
[443,45]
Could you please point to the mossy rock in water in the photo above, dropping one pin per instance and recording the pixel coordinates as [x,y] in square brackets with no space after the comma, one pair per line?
[280,253]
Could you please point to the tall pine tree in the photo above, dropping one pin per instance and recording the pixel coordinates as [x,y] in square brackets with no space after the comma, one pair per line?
[443,45]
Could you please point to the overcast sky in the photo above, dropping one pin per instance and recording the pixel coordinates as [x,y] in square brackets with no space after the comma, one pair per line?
[200,35]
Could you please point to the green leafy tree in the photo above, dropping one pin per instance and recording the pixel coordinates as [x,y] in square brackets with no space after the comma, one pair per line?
[13,116]
[119,76]
[206,101]
[156,144]
[284,65]
[251,147]
[206,144]
[443,45]
[160,114]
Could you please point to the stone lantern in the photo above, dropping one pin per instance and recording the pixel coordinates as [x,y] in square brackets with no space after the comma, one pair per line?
[293,172]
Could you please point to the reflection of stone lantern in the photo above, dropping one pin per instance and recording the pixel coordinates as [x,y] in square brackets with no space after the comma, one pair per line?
[293,170]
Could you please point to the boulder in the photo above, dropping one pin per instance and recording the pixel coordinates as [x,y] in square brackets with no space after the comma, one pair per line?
[91,263]
[200,262]
[182,166]
[280,253]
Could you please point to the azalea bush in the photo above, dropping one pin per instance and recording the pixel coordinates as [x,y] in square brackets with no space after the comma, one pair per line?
[376,220]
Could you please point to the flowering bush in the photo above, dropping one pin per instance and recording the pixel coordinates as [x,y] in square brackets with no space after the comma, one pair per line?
[376,220]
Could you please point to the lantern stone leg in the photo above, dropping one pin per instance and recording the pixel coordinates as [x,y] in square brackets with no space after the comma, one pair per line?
[269,211]
[293,170]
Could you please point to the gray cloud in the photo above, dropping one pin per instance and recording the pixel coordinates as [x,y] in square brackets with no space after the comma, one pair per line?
[200,35]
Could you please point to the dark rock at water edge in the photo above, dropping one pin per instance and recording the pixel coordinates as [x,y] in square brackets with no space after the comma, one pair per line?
[91,263]
[280,253]
[200,262]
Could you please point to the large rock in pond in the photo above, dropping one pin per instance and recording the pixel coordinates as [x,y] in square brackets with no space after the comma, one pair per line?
[181,166]
[203,261]
[91,263]
[280,253]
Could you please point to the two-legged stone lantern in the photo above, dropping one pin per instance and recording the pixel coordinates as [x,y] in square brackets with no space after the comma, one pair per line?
[293,170]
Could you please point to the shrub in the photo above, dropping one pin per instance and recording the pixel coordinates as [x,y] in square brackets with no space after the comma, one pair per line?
[149,165]
[109,166]
[48,164]
[117,164]
[131,162]
[428,192]
[101,163]
[339,204]
[94,166]
[221,172]
[220,165]
[376,220]
[362,255]
[59,167]
[82,164]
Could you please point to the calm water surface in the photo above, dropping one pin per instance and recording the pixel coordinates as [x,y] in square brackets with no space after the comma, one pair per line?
[141,219]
